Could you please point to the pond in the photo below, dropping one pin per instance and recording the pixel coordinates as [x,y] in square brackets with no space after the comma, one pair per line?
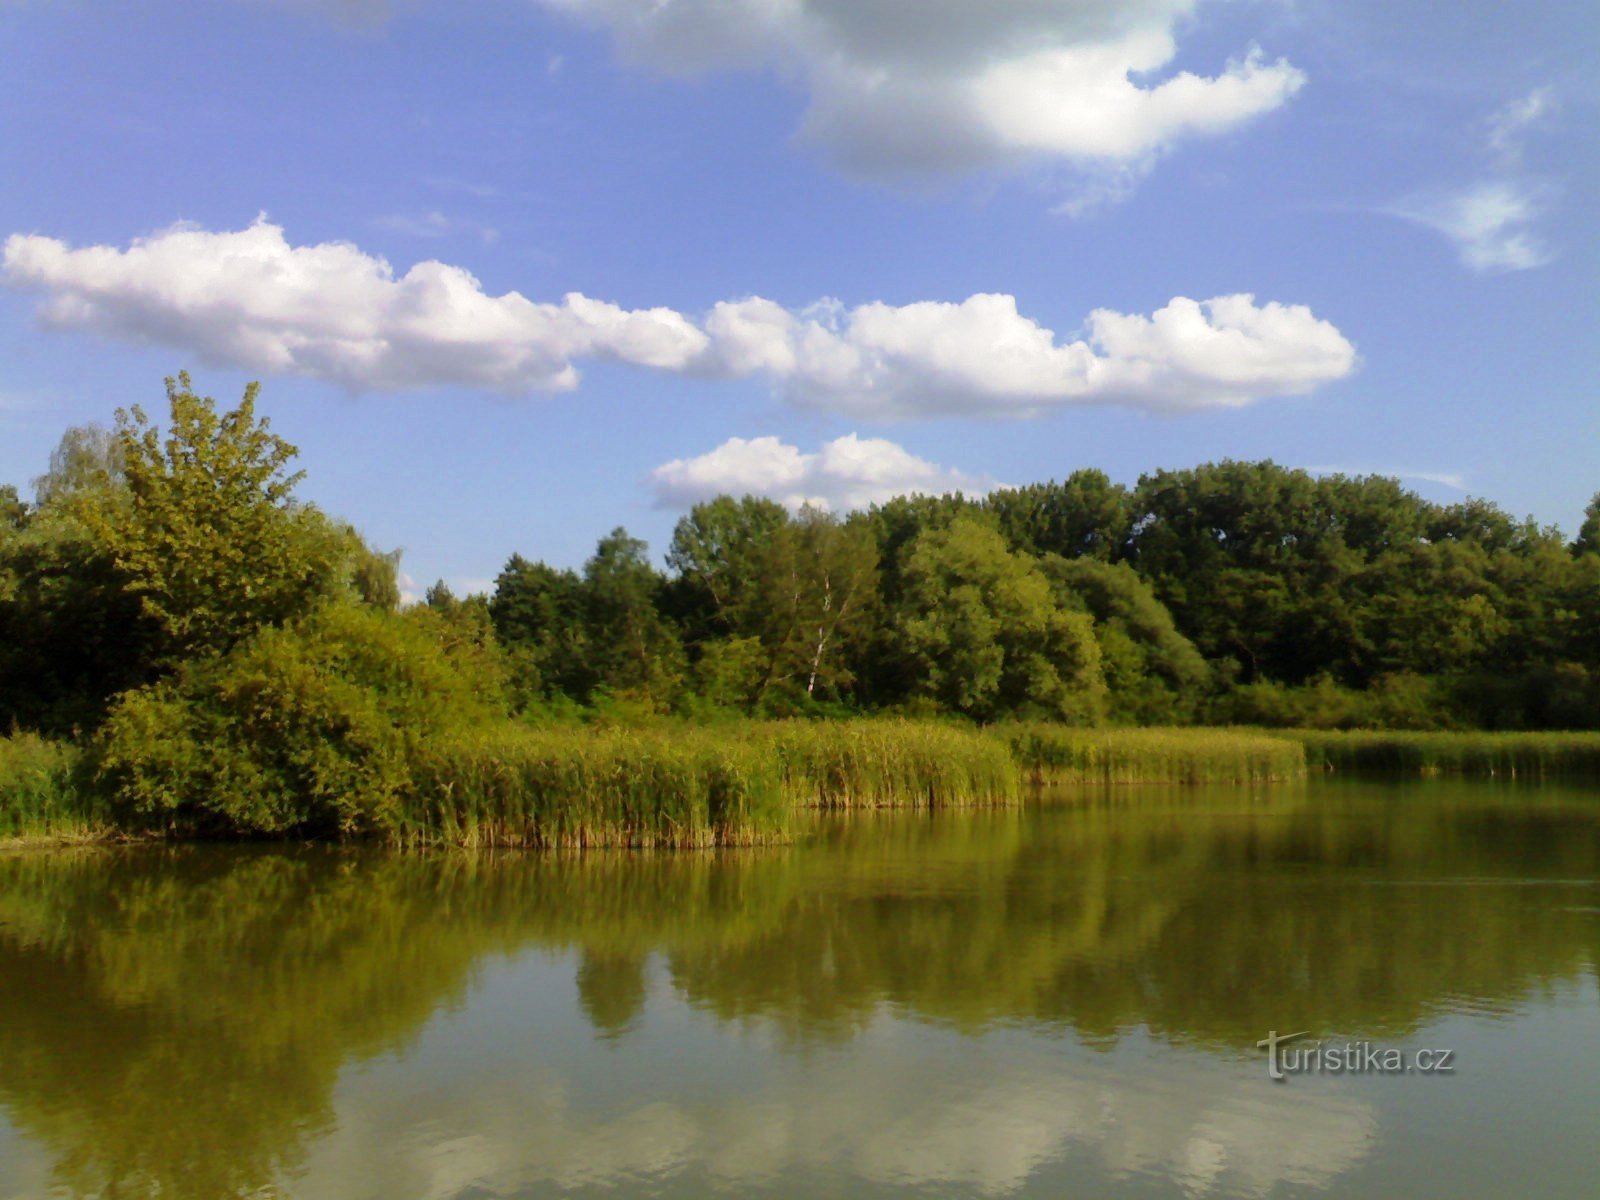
[1063,999]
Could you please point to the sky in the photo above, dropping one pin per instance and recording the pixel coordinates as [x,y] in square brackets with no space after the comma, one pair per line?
[515,272]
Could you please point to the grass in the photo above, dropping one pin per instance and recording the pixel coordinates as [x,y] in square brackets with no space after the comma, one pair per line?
[1063,754]
[40,793]
[889,763]
[1514,755]
[515,786]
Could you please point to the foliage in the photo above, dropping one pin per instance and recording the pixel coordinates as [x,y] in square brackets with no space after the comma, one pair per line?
[309,728]
[985,636]
[1153,673]
[207,535]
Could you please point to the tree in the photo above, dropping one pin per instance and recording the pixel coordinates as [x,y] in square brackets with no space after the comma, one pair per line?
[818,582]
[14,511]
[88,458]
[209,537]
[1154,675]
[717,553]
[985,635]
[1588,539]
[1086,515]
[540,615]
[634,651]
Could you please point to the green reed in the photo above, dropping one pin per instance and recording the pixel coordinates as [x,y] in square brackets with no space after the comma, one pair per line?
[1064,754]
[883,763]
[1526,755]
[574,786]
[41,792]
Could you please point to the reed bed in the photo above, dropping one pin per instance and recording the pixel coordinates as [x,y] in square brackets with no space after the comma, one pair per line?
[888,763]
[515,786]
[1050,754]
[1512,755]
[41,795]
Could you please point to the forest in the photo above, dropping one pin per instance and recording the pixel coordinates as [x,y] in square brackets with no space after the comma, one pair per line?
[170,604]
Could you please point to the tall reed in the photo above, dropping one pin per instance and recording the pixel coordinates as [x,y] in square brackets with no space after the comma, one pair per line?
[1520,755]
[515,786]
[1064,754]
[41,793]
[883,763]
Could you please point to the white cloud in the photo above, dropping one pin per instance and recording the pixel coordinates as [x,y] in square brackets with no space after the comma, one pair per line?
[252,300]
[1491,223]
[914,85]
[1508,126]
[249,299]
[847,473]
[982,357]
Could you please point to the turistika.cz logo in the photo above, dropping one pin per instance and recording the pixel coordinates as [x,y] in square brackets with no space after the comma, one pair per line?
[1348,1058]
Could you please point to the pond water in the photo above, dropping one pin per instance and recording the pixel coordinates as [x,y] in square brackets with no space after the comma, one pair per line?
[1059,1000]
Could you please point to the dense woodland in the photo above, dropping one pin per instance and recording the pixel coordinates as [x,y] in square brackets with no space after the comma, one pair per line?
[161,579]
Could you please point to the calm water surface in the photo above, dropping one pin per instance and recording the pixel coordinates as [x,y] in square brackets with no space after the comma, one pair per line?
[1062,1000]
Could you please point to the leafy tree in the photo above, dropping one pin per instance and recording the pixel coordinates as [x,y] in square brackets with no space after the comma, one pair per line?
[89,458]
[1588,539]
[633,650]
[1086,515]
[540,615]
[985,635]
[718,553]
[209,538]
[1154,675]
[14,511]
[311,727]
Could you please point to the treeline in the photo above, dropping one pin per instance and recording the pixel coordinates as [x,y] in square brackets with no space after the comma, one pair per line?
[169,580]
[1234,592]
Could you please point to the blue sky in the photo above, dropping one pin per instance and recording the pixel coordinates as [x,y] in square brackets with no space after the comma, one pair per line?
[514,272]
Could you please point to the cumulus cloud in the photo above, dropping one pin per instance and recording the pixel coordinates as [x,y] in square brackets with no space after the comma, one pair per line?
[847,473]
[915,85]
[252,300]
[1492,223]
[982,357]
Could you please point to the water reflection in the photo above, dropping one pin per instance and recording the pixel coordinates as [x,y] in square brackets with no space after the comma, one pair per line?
[969,1000]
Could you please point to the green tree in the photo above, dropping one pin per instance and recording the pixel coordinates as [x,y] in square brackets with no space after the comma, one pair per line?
[209,537]
[1085,515]
[633,649]
[311,727]
[14,511]
[1154,675]
[985,635]
[89,458]
[1588,539]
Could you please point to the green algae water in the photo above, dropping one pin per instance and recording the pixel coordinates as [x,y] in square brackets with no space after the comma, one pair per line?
[1061,999]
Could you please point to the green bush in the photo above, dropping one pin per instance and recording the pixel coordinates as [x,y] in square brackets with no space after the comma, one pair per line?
[311,728]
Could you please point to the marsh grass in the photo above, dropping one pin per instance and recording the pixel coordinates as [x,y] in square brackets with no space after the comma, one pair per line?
[576,787]
[42,795]
[1050,754]
[889,763]
[1512,755]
